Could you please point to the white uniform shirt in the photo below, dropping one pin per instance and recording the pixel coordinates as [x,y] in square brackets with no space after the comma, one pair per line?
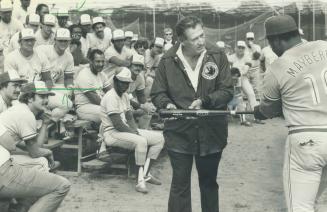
[125,54]
[19,14]
[3,105]
[111,103]
[84,46]
[29,68]
[40,40]
[96,43]
[7,31]
[240,62]
[59,64]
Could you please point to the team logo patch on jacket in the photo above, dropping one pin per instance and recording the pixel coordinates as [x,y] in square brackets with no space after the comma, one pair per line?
[210,71]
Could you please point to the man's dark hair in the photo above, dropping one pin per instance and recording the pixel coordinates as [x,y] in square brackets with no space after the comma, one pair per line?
[94,52]
[4,85]
[140,43]
[74,26]
[39,7]
[24,97]
[285,36]
[186,23]
[235,72]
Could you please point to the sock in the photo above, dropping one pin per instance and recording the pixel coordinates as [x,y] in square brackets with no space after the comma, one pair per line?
[141,174]
[147,166]
[102,147]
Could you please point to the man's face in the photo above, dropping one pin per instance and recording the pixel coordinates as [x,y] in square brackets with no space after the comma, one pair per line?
[249,41]
[121,86]
[168,35]
[136,70]
[47,29]
[35,27]
[98,63]
[119,44]
[27,44]
[128,41]
[6,16]
[12,91]
[86,28]
[98,29]
[194,39]
[25,3]
[76,33]
[40,102]
[140,50]
[276,46]
[43,11]
[62,21]
[157,49]
[240,51]
[62,45]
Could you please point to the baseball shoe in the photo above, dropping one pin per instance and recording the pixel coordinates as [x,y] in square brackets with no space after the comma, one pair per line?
[258,121]
[152,180]
[141,187]
[246,123]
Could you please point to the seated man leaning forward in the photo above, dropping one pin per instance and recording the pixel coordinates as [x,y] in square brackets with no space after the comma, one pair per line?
[18,124]
[120,129]
[91,86]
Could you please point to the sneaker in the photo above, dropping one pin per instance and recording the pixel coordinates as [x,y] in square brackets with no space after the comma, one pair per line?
[246,123]
[152,180]
[141,187]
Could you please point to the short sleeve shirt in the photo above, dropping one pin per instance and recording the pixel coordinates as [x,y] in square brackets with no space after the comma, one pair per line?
[29,68]
[59,64]
[7,31]
[20,122]
[240,62]
[40,40]
[111,103]
[87,81]
[125,54]
[150,61]
[94,42]
[3,105]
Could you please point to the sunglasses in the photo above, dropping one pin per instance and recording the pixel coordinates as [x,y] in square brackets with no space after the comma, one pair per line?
[168,33]
[250,39]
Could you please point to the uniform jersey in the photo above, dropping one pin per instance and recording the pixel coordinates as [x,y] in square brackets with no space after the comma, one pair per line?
[137,85]
[150,61]
[125,54]
[20,14]
[3,105]
[268,56]
[239,63]
[249,51]
[29,68]
[111,103]
[40,40]
[299,80]
[87,81]
[94,42]
[20,122]
[7,31]
[84,46]
[59,64]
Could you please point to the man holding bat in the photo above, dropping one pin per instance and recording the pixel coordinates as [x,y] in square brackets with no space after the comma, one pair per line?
[193,75]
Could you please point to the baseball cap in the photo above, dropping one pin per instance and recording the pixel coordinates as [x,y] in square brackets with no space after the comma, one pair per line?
[135,37]
[26,34]
[241,43]
[138,60]
[128,34]
[62,12]
[159,41]
[5,6]
[49,19]
[280,24]
[62,34]
[34,19]
[221,44]
[85,19]
[37,87]
[250,35]
[97,20]
[124,75]
[11,76]
[118,34]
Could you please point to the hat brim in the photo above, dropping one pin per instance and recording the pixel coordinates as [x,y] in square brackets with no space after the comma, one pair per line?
[119,38]
[67,39]
[18,80]
[6,10]
[28,38]
[49,93]
[124,79]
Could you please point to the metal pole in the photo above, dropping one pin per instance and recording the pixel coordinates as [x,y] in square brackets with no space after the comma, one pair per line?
[154,22]
[299,17]
[313,21]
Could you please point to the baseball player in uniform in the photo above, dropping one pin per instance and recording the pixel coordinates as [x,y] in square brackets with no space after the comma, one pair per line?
[295,85]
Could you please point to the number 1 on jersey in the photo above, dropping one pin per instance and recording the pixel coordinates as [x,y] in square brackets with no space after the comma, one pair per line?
[310,79]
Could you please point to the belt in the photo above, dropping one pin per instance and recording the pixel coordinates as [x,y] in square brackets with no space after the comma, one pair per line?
[312,129]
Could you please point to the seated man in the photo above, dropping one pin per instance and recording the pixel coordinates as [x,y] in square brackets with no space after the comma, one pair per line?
[91,85]
[18,124]
[120,129]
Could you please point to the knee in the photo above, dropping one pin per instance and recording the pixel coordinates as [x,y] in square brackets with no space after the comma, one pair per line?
[64,186]
[142,143]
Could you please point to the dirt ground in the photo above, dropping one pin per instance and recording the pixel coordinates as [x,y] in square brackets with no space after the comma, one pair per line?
[250,179]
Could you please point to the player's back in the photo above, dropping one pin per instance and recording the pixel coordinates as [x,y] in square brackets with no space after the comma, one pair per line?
[301,74]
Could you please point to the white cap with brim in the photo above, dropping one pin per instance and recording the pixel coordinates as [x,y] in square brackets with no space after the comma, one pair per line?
[62,34]
[26,34]
[250,35]
[37,87]
[85,19]
[128,34]
[138,60]
[124,75]
[118,34]
[241,43]
[98,20]
[221,44]
[6,6]
[34,19]
[11,76]
[49,19]
[159,42]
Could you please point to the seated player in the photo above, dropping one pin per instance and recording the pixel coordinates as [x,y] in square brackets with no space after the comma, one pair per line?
[120,129]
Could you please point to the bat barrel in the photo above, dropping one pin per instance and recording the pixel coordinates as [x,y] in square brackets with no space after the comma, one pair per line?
[198,113]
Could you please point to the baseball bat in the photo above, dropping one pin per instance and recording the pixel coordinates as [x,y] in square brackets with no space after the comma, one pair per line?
[164,113]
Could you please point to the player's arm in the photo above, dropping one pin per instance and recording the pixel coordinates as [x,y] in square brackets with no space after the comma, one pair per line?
[224,87]
[93,97]
[271,103]
[120,125]
[119,62]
